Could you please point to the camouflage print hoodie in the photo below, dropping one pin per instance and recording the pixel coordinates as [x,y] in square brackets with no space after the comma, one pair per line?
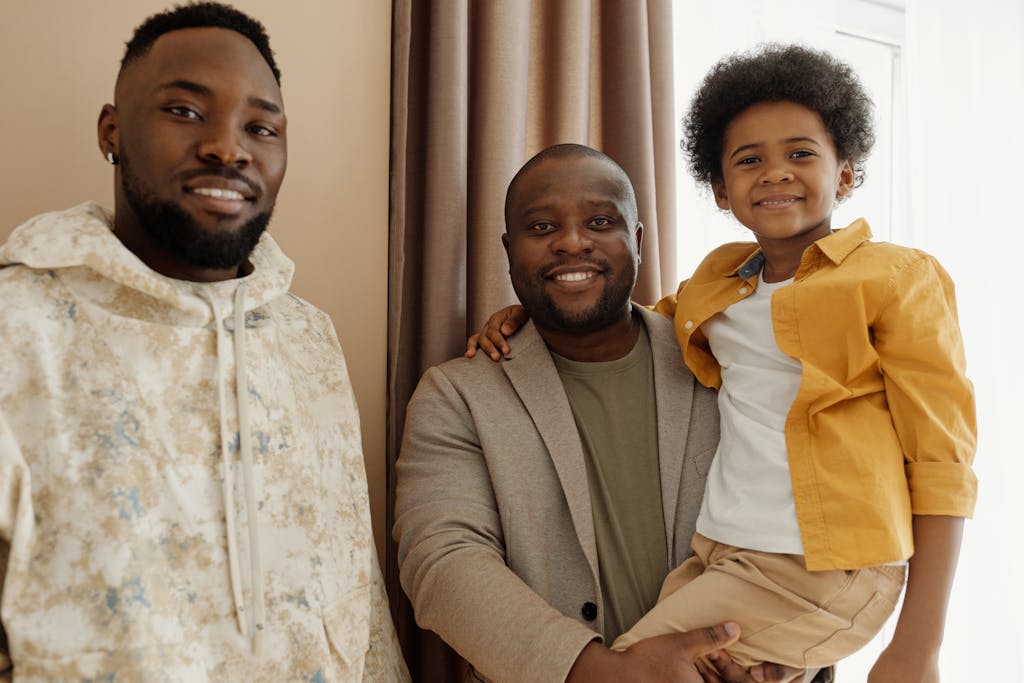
[168,513]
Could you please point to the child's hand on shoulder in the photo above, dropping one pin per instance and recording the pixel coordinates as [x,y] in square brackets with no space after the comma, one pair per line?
[491,338]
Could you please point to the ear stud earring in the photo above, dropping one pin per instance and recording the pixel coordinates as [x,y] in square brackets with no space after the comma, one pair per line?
[111,159]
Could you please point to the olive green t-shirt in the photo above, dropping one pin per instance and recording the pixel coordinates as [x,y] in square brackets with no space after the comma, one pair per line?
[614,406]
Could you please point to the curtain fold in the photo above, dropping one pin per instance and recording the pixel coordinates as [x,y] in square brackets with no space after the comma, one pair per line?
[479,86]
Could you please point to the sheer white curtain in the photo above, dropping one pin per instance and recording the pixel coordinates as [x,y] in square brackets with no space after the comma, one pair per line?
[948,177]
[965,88]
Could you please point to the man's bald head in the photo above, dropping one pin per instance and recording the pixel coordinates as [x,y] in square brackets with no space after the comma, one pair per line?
[568,151]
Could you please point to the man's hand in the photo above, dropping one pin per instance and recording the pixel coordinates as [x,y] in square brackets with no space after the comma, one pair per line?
[729,671]
[673,658]
[491,339]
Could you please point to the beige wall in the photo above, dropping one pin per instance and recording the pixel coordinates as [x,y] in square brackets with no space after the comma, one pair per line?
[59,60]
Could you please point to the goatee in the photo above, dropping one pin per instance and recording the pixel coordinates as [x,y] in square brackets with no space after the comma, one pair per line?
[173,229]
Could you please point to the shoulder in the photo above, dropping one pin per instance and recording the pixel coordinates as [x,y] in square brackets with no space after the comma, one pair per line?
[660,328]
[462,376]
[894,263]
[30,295]
[292,311]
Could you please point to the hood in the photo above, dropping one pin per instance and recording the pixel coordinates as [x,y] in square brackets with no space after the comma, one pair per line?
[82,237]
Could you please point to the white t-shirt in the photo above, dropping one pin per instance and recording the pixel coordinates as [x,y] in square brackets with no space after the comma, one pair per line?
[748,501]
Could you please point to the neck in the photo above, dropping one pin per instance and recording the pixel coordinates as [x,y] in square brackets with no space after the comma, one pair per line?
[782,257]
[608,343]
[134,237]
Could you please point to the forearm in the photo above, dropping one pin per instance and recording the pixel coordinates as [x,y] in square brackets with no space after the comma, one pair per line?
[596,661]
[936,551]
[492,618]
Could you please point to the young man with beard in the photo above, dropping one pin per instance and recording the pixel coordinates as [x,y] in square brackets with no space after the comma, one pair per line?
[542,500]
[182,493]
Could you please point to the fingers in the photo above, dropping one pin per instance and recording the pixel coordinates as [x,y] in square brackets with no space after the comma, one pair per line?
[727,669]
[491,342]
[515,317]
[706,640]
[775,673]
[709,674]
[487,340]
[471,346]
[731,672]
[491,339]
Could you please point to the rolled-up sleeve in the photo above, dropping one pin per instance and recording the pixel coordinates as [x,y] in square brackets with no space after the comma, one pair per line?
[918,340]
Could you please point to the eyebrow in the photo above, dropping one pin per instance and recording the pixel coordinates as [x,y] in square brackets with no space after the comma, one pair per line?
[754,145]
[200,89]
[594,204]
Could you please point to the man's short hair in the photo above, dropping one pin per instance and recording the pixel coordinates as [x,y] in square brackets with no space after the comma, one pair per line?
[199,15]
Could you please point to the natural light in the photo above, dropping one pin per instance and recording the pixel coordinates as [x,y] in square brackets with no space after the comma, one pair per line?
[947,78]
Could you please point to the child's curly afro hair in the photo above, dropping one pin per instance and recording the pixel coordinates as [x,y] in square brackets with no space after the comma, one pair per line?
[773,73]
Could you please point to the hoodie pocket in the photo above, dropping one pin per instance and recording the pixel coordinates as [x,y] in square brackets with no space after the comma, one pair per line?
[347,623]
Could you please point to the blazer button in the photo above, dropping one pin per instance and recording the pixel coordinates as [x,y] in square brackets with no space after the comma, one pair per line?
[589,611]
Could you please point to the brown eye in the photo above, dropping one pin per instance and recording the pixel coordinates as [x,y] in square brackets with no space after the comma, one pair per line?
[184,112]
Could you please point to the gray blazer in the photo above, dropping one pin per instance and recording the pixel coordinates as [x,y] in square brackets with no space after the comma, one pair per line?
[493,514]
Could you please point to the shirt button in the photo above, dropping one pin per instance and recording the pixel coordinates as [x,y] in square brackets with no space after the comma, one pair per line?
[688,324]
[589,611]
[744,290]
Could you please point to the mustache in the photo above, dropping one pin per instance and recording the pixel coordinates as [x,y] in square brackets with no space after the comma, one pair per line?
[228,172]
[546,269]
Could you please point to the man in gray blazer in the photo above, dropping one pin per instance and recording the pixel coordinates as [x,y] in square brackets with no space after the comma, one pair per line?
[541,500]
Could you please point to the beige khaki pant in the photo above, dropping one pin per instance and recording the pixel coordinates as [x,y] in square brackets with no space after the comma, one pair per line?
[786,614]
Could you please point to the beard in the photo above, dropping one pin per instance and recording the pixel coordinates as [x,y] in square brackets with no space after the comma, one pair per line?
[608,308]
[175,231]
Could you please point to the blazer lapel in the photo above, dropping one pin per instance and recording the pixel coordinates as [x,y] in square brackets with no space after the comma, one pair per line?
[673,389]
[533,375]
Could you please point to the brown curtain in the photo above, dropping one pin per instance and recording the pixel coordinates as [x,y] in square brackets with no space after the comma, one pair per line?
[479,86]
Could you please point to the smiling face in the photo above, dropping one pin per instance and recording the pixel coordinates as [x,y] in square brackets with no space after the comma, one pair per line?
[199,129]
[573,243]
[781,176]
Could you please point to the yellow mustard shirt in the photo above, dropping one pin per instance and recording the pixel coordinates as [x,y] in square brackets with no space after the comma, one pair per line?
[883,425]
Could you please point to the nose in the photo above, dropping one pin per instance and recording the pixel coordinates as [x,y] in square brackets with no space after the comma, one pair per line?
[572,240]
[224,144]
[778,172]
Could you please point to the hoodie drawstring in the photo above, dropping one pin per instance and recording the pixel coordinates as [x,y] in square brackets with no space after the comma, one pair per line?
[245,450]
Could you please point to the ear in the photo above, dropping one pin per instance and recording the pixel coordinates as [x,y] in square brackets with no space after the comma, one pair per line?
[847,177]
[639,235]
[108,134]
[504,243]
[721,194]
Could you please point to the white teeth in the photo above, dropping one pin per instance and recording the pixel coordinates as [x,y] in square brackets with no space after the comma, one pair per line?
[778,202]
[575,277]
[217,193]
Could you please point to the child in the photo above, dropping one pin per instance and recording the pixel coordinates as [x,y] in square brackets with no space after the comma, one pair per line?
[847,424]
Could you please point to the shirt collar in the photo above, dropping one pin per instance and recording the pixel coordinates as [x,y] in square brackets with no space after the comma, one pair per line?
[841,243]
[836,247]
